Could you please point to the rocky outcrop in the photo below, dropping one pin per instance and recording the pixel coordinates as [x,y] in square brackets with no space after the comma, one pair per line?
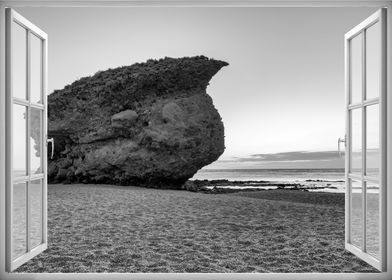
[150,124]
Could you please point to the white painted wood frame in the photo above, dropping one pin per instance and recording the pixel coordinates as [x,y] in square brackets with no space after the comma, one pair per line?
[13,17]
[360,29]
[193,3]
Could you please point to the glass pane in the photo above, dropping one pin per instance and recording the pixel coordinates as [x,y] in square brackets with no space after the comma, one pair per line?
[35,69]
[19,220]
[356,69]
[35,140]
[356,213]
[373,219]
[373,66]
[356,141]
[19,61]
[19,140]
[36,212]
[372,140]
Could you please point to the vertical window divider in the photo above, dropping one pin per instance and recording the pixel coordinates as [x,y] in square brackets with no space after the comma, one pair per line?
[44,92]
[363,140]
[28,195]
[383,140]
[9,136]
[348,142]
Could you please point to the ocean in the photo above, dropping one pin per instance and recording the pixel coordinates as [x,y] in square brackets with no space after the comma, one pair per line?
[327,180]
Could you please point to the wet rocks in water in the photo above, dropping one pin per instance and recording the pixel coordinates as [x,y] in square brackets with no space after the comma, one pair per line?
[150,124]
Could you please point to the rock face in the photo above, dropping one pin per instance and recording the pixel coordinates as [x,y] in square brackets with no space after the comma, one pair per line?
[149,124]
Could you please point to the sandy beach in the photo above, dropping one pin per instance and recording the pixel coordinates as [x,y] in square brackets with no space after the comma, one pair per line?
[108,228]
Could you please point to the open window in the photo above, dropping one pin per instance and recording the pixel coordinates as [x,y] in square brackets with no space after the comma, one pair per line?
[26,140]
[26,186]
[366,140]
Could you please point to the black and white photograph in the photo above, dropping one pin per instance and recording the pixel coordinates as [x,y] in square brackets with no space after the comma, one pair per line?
[196,139]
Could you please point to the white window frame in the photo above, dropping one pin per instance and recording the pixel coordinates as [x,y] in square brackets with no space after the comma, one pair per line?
[377,17]
[193,3]
[31,30]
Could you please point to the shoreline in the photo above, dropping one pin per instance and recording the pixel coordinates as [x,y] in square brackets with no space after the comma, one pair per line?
[232,186]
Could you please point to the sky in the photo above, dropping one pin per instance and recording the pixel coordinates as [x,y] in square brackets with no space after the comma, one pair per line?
[283,92]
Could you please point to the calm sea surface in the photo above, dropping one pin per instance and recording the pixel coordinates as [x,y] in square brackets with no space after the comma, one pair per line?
[285,175]
[330,180]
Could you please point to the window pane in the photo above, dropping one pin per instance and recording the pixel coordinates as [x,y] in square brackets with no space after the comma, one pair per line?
[372,140]
[36,212]
[356,141]
[356,213]
[35,69]
[356,69]
[19,220]
[19,140]
[19,61]
[373,219]
[35,140]
[373,65]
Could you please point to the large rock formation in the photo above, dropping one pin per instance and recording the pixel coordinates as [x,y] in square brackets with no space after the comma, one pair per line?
[149,124]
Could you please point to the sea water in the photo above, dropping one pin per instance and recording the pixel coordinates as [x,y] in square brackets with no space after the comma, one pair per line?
[328,180]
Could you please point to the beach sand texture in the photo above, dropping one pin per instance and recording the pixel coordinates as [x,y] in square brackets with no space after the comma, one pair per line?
[128,229]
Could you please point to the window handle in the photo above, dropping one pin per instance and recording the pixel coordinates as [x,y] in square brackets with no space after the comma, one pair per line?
[51,140]
[341,140]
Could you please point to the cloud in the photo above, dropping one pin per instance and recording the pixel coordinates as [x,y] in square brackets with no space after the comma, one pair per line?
[293,160]
[297,159]
[293,156]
